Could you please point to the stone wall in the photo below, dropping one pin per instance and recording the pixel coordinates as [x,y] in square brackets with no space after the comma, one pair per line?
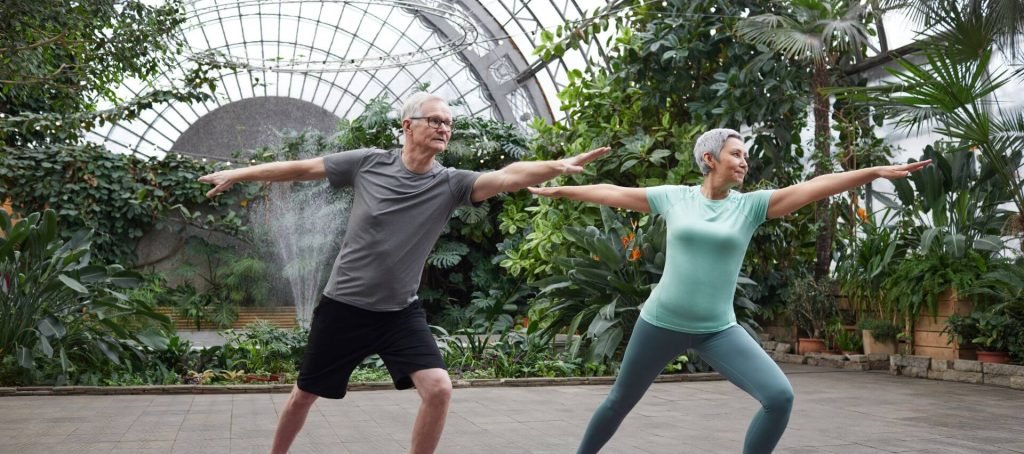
[958,370]
[780,352]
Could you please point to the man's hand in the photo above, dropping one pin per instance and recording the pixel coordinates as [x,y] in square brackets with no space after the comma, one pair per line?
[221,182]
[575,164]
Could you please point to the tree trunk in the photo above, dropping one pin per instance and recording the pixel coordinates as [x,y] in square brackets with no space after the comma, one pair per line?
[822,147]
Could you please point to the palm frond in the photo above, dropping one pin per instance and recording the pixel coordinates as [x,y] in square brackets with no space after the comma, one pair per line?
[1008,131]
[782,35]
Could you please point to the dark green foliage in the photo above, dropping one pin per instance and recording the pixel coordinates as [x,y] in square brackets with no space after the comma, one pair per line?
[62,60]
[61,316]
[118,196]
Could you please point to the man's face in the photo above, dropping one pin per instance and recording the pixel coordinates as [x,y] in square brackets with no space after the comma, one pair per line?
[420,134]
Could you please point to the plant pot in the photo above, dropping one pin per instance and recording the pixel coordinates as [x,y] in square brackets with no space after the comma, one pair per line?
[872,345]
[806,345]
[993,357]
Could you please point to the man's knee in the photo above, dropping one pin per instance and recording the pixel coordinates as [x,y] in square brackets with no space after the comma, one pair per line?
[434,386]
[302,398]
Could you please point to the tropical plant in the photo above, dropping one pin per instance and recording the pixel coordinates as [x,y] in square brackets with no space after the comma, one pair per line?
[1001,290]
[959,202]
[881,330]
[263,348]
[953,89]
[61,315]
[842,339]
[812,304]
[228,279]
[823,34]
[603,291]
[867,262]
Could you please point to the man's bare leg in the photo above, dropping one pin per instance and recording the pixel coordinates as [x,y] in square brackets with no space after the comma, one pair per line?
[435,389]
[291,420]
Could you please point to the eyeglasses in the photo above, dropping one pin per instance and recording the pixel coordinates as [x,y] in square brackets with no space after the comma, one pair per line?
[435,122]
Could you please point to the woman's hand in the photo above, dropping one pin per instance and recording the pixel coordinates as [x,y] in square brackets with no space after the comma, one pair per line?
[550,191]
[901,170]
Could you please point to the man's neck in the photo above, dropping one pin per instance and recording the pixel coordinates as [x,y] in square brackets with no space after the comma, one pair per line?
[417,160]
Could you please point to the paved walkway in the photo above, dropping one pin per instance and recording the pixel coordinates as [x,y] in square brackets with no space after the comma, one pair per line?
[835,412]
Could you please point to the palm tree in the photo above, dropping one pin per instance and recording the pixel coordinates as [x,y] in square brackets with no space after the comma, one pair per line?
[821,33]
[953,90]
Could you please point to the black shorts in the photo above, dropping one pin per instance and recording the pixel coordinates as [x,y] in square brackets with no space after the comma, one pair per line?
[341,336]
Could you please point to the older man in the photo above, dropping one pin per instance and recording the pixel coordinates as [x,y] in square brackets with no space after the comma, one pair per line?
[403,198]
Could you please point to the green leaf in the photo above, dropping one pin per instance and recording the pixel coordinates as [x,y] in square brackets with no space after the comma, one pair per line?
[44,345]
[73,284]
[153,338]
[51,327]
[24,356]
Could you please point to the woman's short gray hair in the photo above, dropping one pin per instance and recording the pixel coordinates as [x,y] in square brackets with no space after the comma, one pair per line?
[712,142]
[413,106]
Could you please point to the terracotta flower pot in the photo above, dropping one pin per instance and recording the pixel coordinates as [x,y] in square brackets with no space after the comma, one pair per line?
[993,357]
[806,345]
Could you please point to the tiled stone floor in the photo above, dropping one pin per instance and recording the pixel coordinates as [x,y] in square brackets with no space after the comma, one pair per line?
[835,412]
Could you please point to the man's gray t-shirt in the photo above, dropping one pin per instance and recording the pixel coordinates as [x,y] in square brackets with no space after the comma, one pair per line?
[396,218]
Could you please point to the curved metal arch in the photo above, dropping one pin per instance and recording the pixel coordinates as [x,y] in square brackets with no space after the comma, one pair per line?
[455,43]
[505,80]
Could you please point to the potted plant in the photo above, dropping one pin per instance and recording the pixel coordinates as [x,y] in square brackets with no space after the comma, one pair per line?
[991,331]
[879,336]
[812,306]
[995,332]
[844,340]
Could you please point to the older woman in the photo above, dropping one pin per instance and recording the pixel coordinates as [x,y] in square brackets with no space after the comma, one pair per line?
[709,227]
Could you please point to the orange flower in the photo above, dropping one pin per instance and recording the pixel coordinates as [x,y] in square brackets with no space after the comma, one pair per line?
[634,254]
[862,214]
[628,239]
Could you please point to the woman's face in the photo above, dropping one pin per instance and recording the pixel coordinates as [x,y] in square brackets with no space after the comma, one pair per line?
[731,165]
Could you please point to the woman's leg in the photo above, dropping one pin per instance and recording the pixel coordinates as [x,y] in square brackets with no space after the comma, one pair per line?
[650,348]
[739,358]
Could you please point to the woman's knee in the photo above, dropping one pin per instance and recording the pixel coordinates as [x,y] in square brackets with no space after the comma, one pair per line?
[779,398]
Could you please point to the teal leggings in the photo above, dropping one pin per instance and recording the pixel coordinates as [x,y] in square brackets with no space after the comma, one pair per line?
[732,352]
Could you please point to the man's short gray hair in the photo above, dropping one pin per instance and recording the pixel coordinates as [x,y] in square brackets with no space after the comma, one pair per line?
[712,142]
[413,106]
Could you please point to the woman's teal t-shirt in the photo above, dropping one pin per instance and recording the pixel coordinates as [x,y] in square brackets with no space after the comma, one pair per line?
[707,240]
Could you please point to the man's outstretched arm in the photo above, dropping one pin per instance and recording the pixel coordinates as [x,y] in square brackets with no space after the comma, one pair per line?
[519,175]
[306,169]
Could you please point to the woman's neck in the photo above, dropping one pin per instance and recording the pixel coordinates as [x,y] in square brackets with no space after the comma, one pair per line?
[714,190]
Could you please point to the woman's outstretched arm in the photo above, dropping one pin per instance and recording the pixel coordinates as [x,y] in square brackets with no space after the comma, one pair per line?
[792,198]
[603,194]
